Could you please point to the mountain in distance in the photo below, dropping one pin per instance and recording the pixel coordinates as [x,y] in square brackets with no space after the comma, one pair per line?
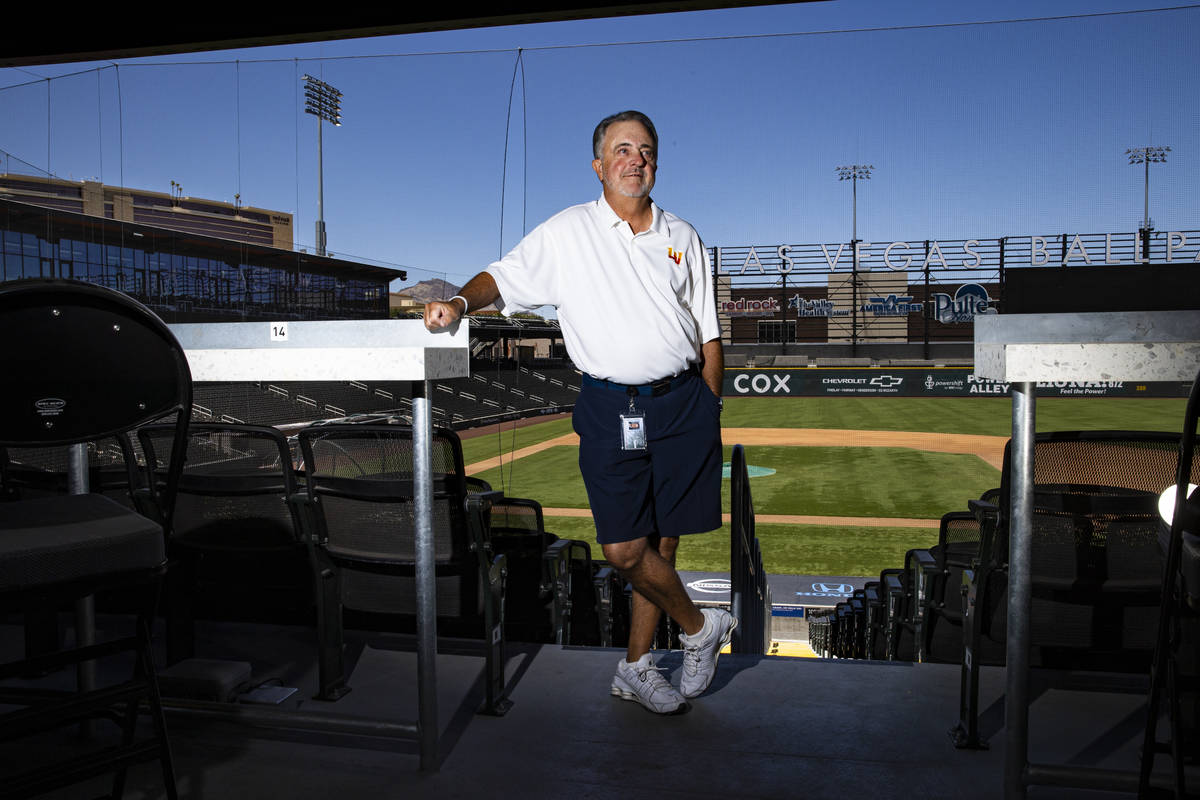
[435,289]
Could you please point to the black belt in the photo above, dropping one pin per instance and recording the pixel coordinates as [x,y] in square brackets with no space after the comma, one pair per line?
[654,388]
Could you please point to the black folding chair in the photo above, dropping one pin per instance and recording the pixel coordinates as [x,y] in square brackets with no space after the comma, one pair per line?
[82,364]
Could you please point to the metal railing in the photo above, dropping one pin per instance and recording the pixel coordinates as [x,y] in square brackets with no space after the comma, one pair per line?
[749,592]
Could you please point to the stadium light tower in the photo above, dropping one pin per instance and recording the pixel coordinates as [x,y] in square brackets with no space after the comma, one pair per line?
[325,103]
[853,173]
[1147,156]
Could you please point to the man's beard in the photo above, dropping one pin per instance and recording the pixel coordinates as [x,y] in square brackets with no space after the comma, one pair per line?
[641,191]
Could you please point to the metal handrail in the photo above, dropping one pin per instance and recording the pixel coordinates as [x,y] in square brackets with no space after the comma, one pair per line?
[749,592]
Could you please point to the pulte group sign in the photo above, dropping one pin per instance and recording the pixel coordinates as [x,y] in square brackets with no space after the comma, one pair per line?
[917,382]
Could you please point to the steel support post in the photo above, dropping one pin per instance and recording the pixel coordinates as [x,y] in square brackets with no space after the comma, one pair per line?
[1020,602]
[427,718]
[85,607]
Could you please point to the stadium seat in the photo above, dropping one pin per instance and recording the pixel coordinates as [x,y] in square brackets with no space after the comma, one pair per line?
[561,594]
[920,569]
[891,594]
[840,630]
[819,623]
[1096,572]
[358,511]
[939,610]
[1175,670]
[555,592]
[876,636]
[896,591]
[858,609]
[234,543]
[84,363]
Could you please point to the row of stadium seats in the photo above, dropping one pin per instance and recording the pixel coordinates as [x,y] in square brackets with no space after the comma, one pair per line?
[259,520]
[1096,573]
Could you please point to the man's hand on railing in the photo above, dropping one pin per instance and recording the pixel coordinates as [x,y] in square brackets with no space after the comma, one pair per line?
[442,314]
[479,292]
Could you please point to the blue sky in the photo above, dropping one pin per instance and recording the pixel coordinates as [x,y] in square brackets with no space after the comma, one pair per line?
[975,130]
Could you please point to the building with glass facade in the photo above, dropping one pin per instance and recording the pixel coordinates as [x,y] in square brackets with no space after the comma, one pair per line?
[187,276]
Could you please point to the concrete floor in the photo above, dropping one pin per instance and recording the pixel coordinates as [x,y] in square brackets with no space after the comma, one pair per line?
[768,727]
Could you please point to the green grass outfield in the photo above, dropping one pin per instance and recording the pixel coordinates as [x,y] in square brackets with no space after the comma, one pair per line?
[869,482]
[837,481]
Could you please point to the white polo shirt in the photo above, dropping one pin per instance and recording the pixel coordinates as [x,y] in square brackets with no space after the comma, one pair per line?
[633,308]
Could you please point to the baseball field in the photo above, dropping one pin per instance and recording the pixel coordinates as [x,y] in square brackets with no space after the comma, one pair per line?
[841,486]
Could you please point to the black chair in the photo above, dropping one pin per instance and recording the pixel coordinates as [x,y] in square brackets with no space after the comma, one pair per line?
[841,630]
[1096,570]
[820,623]
[554,591]
[895,587]
[858,636]
[83,364]
[234,543]
[26,473]
[876,635]
[1175,670]
[938,576]
[591,604]
[909,619]
[357,513]
[536,598]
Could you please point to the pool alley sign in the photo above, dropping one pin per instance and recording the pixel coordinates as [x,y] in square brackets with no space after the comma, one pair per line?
[1092,249]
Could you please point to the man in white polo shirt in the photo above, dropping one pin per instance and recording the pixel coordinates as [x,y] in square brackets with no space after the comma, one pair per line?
[633,290]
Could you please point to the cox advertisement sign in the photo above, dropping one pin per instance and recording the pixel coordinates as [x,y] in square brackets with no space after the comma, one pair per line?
[918,382]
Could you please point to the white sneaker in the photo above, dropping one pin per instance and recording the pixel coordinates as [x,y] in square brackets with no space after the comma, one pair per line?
[701,650]
[644,682]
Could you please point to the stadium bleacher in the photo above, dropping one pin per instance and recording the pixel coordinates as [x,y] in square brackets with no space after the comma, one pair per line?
[491,392]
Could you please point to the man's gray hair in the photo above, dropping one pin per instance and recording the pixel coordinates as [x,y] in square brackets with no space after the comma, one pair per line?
[624,116]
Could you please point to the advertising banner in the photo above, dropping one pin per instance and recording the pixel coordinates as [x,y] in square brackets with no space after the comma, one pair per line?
[917,382]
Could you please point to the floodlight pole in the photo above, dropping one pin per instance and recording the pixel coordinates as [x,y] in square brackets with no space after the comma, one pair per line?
[1147,155]
[852,173]
[320,189]
[1146,199]
[325,103]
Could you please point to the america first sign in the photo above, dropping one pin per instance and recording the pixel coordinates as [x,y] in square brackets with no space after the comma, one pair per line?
[1092,249]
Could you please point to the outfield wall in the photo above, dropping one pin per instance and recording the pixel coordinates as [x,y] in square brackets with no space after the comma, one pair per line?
[917,382]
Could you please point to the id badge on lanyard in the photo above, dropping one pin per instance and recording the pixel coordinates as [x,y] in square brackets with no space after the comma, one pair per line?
[633,428]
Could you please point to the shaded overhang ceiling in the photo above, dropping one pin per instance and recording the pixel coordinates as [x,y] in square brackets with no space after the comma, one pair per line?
[105,32]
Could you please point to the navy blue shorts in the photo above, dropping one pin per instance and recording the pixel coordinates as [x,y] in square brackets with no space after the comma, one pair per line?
[673,487]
